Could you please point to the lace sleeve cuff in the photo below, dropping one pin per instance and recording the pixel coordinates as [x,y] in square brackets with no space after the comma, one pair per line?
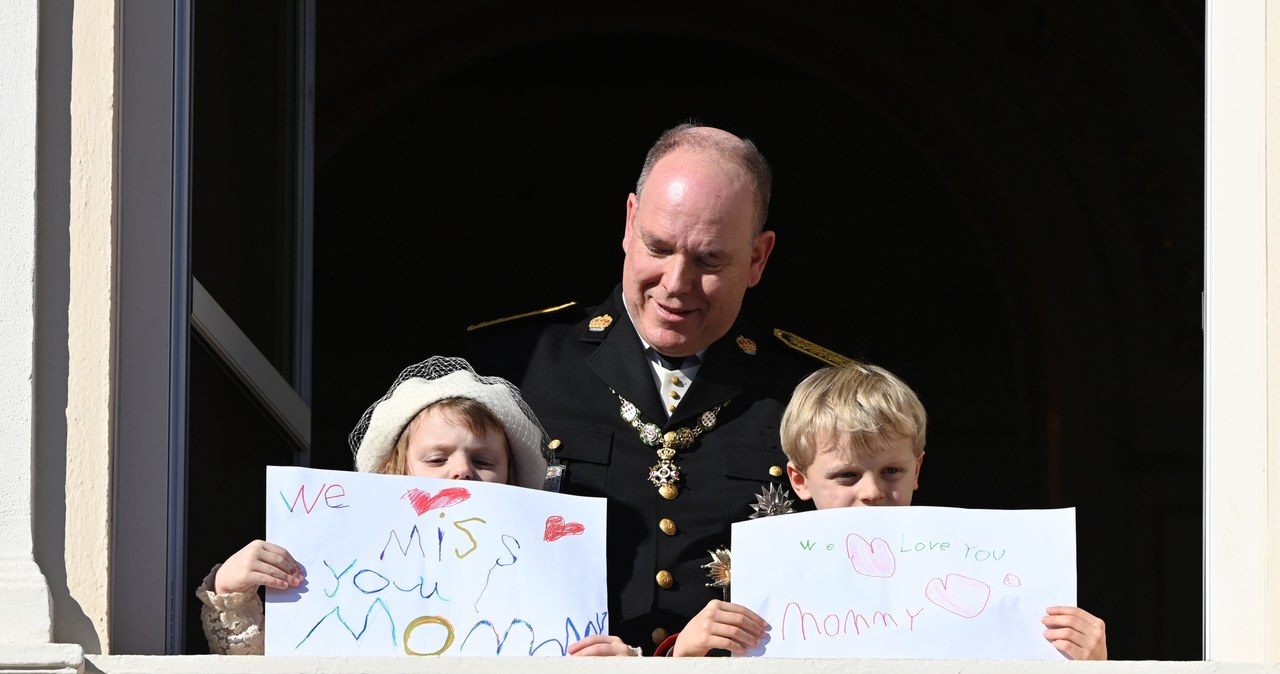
[232,622]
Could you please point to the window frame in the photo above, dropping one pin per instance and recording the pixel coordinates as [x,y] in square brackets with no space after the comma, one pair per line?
[154,302]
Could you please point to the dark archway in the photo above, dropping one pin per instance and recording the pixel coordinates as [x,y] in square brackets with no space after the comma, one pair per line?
[1001,204]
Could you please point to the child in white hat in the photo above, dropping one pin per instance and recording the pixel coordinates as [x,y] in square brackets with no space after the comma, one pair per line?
[439,419]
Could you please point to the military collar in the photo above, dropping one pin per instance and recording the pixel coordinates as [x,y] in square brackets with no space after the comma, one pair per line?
[604,319]
[621,363]
[723,376]
[619,359]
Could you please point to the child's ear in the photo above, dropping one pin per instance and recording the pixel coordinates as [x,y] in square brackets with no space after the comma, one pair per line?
[919,465]
[798,481]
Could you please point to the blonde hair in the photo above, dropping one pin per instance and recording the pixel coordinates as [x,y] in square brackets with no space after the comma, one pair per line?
[471,414]
[864,402]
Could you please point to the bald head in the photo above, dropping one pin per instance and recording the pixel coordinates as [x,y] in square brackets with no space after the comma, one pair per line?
[710,141]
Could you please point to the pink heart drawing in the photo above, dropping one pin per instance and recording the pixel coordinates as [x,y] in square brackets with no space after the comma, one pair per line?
[873,559]
[557,528]
[422,501]
[961,595]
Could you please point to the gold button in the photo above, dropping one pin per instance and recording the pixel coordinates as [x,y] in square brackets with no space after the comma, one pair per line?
[775,471]
[554,444]
[668,526]
[659,635]
[671,407]
[677,381]
[665,579]
[675,396]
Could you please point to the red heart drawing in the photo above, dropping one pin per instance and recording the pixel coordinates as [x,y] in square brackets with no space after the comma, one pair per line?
[961,595]
[873,559]
[557,528]
[422,501]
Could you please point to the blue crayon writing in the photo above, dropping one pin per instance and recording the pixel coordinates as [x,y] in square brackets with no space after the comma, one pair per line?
[330,492]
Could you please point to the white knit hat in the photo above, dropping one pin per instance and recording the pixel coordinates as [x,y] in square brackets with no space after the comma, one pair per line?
[438,378]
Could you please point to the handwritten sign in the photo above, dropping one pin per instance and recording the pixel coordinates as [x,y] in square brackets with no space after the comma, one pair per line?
[914,582]
[420,566]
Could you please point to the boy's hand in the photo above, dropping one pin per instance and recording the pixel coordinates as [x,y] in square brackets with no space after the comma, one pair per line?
[601,644]
[720,624]
[258,563]
[1076,633]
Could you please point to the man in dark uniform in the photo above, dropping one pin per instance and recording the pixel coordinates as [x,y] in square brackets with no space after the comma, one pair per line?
[661,398]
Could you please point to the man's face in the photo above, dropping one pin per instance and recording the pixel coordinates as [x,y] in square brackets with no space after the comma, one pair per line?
[839,478]
[691,251]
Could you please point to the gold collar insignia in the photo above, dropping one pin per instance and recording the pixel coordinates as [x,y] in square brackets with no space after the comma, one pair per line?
[599,323]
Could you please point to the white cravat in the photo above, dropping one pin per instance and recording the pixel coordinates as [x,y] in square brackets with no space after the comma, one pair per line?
[673,379]
[672,383]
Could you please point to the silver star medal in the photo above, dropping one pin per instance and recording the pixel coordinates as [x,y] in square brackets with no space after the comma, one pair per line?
[772,500]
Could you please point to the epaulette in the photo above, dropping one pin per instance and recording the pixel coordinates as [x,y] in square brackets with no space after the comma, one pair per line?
[805,346]
[527,314]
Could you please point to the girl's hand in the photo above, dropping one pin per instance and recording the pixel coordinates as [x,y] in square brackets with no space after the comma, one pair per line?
[258,563]
[601,644]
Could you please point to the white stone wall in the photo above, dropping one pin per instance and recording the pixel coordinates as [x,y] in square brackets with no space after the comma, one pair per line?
[92,307]
[25,612]
[1272,468]
[1241,577]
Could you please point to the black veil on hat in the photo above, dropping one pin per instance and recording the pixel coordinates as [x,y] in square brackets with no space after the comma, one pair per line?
[438,378]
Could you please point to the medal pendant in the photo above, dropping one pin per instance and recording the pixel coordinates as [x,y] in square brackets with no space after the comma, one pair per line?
[664,474]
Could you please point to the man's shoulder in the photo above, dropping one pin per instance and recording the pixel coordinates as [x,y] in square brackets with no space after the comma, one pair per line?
[792,357]
[508,346]
[589,319]
[556,313]
[783,339]
[809,352]
[768,360]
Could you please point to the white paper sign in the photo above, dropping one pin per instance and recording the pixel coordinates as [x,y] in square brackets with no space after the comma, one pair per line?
[403,565]
[913,582]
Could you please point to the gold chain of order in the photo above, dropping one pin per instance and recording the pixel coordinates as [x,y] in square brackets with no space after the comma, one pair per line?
[665,474]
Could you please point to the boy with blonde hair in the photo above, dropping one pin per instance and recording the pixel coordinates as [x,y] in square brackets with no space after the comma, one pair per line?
[854,436]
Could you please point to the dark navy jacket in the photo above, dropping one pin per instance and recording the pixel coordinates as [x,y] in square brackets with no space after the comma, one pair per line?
[566,370]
